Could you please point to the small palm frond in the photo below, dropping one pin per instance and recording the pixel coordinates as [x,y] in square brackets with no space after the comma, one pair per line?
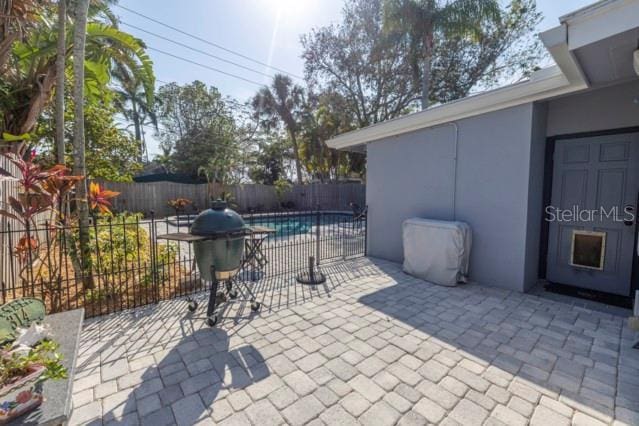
[130,50]
[464,18]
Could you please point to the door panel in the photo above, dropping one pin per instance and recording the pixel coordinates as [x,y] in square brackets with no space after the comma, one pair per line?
[574,187]
[614,152]
[611,187]
[598,176]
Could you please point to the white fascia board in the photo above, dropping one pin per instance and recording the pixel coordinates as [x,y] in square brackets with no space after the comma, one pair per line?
[556,42]
[600,20]
[543,84]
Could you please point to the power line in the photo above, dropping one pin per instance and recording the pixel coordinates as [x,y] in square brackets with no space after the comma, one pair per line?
[204,66]
[203,52]
[248,58]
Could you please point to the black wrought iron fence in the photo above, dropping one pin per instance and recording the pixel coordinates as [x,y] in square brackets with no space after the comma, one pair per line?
[130,267]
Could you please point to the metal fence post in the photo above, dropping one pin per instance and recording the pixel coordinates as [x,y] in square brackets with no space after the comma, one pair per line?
[365,218]
[146,276]
[153,267]
[317,236]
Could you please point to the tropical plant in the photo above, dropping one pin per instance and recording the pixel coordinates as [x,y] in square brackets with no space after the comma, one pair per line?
[17,364]
[31,74]
[43,205]
[33,199]
[17,17]
[41,191]
[179,204]
[217,170]
[282,103]
[422,20]
[115,153]
[464,24]
[135,105]
[507,51]
[99,198]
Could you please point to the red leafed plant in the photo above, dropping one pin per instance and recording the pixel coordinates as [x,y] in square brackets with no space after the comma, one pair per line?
[44,196]
[179,204]
[99,198]
[25,245]
[32,198]
[40,191]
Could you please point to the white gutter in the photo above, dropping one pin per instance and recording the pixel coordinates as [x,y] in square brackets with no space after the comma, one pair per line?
[599,21]
[566,77]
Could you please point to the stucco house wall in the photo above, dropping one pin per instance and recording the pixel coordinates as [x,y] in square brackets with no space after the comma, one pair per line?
[497,184]
[611,107]
[415,175]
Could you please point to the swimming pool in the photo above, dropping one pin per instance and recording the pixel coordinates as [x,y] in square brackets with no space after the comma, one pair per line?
[286,224]
[291,224]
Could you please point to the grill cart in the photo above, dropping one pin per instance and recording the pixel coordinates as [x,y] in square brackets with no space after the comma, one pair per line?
[218,237]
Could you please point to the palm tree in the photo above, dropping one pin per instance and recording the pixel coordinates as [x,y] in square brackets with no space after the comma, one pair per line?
[79,162]
[135,104]
[32,74]
[60,65]
[420,21]
[282,102]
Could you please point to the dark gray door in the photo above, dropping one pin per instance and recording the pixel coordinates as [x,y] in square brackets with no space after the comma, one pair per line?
[594,188]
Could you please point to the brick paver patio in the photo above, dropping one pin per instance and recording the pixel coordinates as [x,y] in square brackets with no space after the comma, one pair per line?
[372,346]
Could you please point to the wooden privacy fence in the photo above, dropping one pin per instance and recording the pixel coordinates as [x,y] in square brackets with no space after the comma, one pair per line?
[153,196]
[7,188]
[8,241]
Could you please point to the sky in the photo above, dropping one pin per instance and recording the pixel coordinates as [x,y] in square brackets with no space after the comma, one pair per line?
[267,31]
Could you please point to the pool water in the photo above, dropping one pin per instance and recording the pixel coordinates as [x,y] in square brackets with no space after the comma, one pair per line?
[290,225]
[285,225]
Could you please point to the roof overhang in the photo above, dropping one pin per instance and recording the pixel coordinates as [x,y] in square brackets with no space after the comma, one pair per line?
[585,26]
[599,21]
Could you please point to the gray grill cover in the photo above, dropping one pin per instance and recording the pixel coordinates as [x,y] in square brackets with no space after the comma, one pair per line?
[437,251]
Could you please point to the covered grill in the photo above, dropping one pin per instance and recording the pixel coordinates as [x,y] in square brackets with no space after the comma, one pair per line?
[218,237]
[223,243]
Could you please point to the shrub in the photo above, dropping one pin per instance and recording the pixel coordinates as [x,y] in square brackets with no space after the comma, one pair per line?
[119,242]
[122,243]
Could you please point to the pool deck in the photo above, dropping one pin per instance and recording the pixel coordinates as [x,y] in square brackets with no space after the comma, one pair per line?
[372,346]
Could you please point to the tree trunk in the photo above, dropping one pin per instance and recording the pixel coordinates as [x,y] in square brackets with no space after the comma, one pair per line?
[137,126]
[136,121]
[59,90]
[38,98]
[6,43]
[296,154]
[425,82]
[428,54]
[79,163]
